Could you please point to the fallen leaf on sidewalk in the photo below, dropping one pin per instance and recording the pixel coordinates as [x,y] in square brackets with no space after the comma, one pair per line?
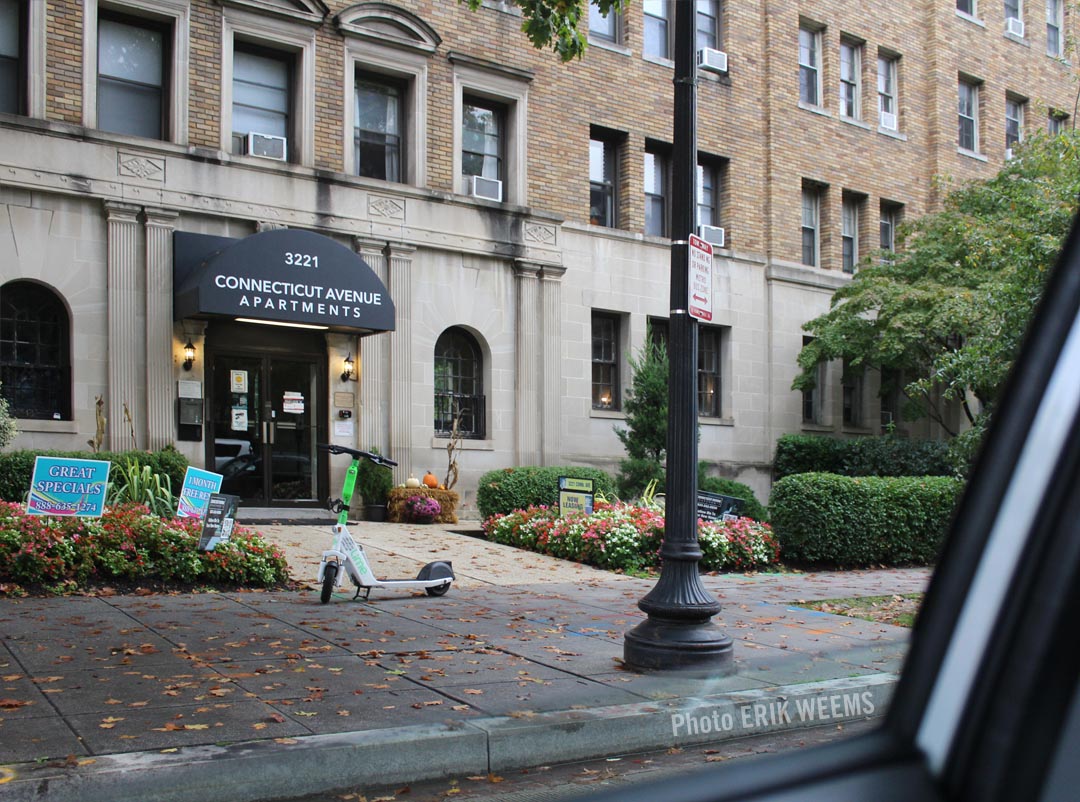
[13,704]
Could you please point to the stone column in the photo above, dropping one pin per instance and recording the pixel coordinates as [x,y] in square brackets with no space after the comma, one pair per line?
[123,314]
[160,370]
[527,420]
[372,358]
[551,369]
[399,285]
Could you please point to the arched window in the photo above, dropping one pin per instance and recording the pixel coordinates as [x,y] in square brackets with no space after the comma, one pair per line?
[459,385]
[35,364]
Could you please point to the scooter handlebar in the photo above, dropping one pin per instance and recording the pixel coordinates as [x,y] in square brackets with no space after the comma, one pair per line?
[378,459]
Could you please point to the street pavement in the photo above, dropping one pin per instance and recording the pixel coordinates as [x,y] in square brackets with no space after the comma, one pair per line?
[260,695]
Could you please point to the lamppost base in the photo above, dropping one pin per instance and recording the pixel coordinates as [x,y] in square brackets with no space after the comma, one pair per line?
[694,647]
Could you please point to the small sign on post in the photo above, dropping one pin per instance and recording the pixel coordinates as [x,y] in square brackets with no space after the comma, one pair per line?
[575,496]
[715,507]
[700,284]
[218,523]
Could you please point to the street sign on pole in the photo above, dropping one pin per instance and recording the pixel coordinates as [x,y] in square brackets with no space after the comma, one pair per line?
[700,300]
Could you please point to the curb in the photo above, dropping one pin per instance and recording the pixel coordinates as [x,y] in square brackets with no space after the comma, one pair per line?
[291,767]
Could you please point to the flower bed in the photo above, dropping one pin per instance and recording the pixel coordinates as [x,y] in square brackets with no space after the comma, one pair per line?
[127,545]
[628,538]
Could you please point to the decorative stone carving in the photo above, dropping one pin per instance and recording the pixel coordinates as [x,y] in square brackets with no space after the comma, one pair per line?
[379,206]
[140,167]
[542,235]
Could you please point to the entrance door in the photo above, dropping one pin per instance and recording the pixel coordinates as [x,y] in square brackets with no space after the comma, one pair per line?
[264,420]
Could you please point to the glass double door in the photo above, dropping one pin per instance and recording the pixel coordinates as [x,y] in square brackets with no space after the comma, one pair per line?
[265,424]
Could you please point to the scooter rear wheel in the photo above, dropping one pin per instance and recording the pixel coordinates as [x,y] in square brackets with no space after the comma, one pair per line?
[328,580]
[438,590]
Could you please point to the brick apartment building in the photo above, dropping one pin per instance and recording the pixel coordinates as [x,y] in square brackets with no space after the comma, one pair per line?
[495,220]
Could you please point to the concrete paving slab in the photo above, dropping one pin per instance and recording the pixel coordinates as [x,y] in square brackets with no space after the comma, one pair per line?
[508,698]
[50,737]
[112,690]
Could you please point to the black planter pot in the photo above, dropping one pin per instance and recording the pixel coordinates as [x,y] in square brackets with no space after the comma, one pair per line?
[375,513]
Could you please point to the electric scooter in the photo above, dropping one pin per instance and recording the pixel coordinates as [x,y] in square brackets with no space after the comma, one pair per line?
[347,554]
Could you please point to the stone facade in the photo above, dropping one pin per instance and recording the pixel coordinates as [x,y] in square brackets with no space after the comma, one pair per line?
[90,214]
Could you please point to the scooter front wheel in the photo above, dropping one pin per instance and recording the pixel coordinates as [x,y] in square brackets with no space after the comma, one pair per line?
[328,580]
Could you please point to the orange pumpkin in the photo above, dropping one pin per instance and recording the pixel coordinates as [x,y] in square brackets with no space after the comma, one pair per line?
[430,480]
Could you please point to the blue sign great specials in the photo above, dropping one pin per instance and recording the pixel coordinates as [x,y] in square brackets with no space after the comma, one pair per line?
[64,486]
[198,485]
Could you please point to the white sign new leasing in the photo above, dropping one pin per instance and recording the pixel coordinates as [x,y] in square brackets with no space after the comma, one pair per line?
[700,300]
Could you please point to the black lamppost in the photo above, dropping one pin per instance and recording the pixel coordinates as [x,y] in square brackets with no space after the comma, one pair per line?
[679,635]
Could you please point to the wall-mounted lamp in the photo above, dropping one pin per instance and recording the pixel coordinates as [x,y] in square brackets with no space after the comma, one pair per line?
[349,373]
[189,354]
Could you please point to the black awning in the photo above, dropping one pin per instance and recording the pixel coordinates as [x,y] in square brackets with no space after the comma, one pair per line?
[280,276]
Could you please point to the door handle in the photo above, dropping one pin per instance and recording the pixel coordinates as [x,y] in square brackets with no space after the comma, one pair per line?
[272,428]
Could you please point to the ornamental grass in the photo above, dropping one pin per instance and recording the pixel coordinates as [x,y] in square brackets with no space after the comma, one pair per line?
[127,546]
[625,537]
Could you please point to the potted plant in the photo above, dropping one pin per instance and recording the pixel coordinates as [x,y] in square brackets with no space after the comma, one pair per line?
[422,509]
[374,482]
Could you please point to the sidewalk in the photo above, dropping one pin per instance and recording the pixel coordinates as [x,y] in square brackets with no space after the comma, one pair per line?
[250,696]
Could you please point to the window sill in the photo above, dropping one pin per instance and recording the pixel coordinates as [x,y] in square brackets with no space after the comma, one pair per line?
[971,154]
[814,109]
[466,444]
[971,19]
[47,426]
[716,421]
[853,428]
[614,47]
[659,60]
[1020,40]
[607,414]
[892,133]
[816,427]
[855,122]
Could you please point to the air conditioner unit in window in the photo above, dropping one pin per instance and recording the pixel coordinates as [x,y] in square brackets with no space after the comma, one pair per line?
[714,235]
[486,188]
[267,146]
[712,60]
[887,120]
[1008,154]
[1014,27]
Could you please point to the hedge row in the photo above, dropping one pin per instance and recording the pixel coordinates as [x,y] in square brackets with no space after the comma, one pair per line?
[862,521]
[861,456]
[17,467]
[508,489]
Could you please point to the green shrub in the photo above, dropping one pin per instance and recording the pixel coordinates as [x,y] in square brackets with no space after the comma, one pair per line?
[374,481]
[752,508]
[860,521]
[861,456]
[509,489]
[17,467]
[128,544]
[635,475]
[130,484]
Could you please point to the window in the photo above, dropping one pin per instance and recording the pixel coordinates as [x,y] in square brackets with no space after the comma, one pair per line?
[890,218]
[378,127]
[12,57]
[1054,23]
[657,28]
[260,101]
[605,361]
[889,393]
[886,82]
[35,367]
[1014,124]
[968,137]
[132,61]
[809,66]
[850,233]
[459,385]
[482,125]
[966,7]
[602,185]
[708,190]
[852,382]
[811,222]
[606,29]
[850,73]
[708,372]
[708,24]
[811,399]
[1055,122]
[656,194]
[1012,10]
